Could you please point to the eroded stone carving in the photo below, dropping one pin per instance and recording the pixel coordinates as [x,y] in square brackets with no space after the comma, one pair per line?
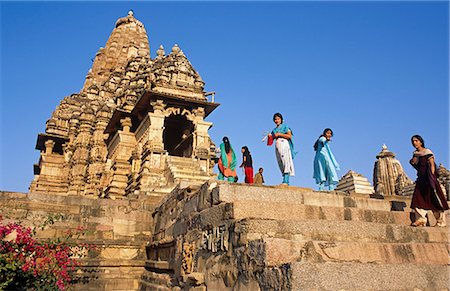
[389,178]
[187,254]
[215,239]
[444,179]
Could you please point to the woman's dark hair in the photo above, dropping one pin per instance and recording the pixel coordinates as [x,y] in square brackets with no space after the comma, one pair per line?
[246,153]
[316,144]
[419,138]
[278,115]
[226,141]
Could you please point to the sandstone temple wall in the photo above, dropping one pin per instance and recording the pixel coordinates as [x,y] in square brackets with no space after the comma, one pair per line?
[224,236]
[119,230]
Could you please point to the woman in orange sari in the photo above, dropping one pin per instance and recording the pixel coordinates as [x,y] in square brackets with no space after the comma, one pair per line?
[227,162]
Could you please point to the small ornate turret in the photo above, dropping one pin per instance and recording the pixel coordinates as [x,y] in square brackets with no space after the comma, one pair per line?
[160,53]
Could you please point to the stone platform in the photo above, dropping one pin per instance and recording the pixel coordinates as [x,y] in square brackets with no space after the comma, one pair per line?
[119,230]
[238,237]
[221,236]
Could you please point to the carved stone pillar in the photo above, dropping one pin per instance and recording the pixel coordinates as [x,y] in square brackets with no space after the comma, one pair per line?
[49,174]
[97,155]
[120,149]
[135,167]
[155,137]
[201,143]
[49,144]
[80,158]
[153,156]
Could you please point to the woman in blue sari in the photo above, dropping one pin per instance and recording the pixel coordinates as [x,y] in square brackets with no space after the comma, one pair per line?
[325,165]
[284,148]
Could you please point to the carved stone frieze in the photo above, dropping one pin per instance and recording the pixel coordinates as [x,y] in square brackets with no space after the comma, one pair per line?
[187,258]
[215,239]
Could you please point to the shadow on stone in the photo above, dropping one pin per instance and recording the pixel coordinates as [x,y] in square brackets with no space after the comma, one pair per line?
[398,205]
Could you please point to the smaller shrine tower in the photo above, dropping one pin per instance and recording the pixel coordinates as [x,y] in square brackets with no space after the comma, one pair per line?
[389,178]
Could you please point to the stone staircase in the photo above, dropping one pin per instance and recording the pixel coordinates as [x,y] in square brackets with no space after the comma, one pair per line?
[118,229]
[332,241]
[186,170]
[272,238]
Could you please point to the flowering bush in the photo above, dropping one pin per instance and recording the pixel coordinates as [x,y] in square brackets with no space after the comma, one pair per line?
[27,263]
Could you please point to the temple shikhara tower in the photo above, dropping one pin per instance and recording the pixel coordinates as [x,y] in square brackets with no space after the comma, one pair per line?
[137,124]
[129,159]
[389,178]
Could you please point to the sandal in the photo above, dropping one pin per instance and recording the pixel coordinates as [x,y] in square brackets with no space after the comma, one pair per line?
[418,223]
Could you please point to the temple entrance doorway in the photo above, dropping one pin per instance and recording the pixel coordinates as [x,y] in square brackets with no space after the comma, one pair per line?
[178,136]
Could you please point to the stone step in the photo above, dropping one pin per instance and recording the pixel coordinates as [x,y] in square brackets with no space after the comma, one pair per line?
[155,281]
[336,231]
[189,177]
[297,211]
[182,161]
[188,171]
[184,164]
[280,251]
[122,275]
[187,168]
[192,165]
[229,192]
[176,158]
[138,263]
[358,276]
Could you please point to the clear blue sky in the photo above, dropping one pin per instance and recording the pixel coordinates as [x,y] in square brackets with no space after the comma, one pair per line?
[375,72]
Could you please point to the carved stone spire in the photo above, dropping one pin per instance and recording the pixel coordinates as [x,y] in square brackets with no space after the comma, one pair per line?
[127,40]
[389,178]
[119,74]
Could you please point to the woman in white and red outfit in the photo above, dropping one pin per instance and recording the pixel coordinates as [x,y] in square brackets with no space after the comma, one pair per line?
[284,147]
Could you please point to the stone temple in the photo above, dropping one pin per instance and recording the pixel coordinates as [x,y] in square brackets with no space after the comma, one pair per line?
[130,159]
[131,127]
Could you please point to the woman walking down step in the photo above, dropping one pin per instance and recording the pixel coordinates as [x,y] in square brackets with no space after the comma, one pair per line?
[227,162]
[325,165]
[284,147]
[428,193]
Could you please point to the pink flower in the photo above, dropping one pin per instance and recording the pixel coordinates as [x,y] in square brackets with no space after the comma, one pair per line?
[60,284]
